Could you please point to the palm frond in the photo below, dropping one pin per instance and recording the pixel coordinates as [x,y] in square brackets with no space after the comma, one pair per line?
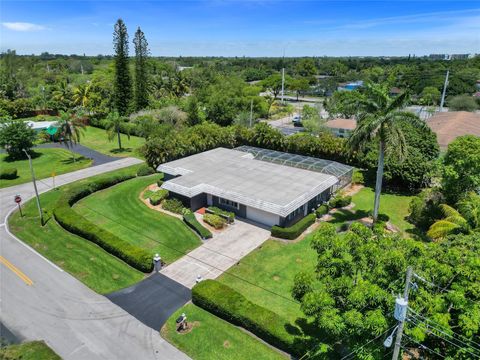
[366,130]
[442,228]
[396,143]
[398,102]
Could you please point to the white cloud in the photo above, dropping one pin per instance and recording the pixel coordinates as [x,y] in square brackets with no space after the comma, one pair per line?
[23,26]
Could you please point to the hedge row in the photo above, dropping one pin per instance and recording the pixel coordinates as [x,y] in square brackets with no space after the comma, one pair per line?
[321,210]
[229,215]
[192,222]
[216,221]
[340,201]
[8,173]
[233,307]
[75,223]
[295,230]
[158,196]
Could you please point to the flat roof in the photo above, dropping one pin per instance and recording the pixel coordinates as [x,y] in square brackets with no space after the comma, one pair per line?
[338,123]
[238,176]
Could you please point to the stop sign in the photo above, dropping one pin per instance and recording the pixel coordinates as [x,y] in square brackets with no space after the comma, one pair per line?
[18,199]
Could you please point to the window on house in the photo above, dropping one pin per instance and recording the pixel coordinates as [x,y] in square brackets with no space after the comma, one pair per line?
[228,203]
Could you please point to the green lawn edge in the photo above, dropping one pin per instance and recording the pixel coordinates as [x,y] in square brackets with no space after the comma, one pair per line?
[33,350]
[47,161]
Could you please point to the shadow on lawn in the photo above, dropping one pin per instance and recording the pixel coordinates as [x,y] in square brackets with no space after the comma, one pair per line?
[70,160]
[32,153]
[122,150]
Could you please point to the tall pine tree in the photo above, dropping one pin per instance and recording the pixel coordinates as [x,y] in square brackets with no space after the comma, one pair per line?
[122,86]
[141,78]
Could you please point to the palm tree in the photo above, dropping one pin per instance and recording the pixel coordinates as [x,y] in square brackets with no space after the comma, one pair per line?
[71,129]
[113,124]
[464,220]
[81,94]
[63,95]
[379,118]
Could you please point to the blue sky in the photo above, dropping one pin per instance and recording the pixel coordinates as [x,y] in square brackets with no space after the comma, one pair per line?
[245,28]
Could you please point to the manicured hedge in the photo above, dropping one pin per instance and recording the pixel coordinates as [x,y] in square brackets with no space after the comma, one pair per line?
[159,182]
[321,210]
[145,170]
[216,221]
[8,173]
[173,205]
[230,305]
[340,201]
[75,223]
[157,197]
[192,222]
[295,230]
[230,216]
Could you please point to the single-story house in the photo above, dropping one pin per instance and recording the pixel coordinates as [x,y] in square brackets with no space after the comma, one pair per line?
[265,186]
[350,86]
[450,125]
[341,127]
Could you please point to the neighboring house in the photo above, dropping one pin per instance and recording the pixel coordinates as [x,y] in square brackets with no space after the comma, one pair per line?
[394,91]
[341,127]
[450,125]
[350,86]
[265,186]
[42,125]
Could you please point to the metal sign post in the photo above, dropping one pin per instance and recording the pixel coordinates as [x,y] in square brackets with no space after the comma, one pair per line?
[18,200]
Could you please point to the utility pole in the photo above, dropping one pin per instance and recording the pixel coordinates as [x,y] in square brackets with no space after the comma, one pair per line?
[402,317]
[35,187]
[283,84]
[251,112]
[444,91]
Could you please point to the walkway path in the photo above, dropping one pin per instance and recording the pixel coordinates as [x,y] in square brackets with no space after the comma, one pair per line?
[40,301]
[218,254]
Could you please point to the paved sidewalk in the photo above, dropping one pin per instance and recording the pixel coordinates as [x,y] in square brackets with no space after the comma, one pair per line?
[218,254]
[53,306]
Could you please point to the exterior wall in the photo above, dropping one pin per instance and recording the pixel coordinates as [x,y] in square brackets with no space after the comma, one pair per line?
[342,133]
[262,217]
[193,203]
[241,211]
[167,177]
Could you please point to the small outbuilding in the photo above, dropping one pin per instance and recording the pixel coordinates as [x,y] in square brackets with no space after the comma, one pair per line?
[265,186]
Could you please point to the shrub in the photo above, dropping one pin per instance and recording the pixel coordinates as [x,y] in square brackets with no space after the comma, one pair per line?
[173,205]
[158,196]
[321,210]
[145,170]
[216,221]
[233,307]
[8,174]
[425,208]
[340,201]
[357,177]
[159,182]
[192,222]
[230,216]
[75,223]
[295,230]
[16,136]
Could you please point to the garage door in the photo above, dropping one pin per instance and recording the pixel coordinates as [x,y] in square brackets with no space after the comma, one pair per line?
[262,217]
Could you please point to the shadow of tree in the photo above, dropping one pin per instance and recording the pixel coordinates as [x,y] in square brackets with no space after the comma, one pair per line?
[122,150]
[33,155]
[70,160]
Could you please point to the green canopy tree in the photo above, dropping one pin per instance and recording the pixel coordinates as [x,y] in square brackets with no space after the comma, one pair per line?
[379,119]
[122,82]
[16,136]
[141,73]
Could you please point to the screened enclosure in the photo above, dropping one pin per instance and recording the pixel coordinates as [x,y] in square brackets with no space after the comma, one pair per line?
[341,171]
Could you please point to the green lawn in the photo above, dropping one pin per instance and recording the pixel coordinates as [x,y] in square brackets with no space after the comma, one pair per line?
[45,161]
[395,206]
[34,350]
[214,338]
[96,139]
[86,261]
[119,210]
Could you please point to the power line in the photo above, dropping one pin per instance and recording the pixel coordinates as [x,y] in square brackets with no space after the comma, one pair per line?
[361,347]
[421,346]
[415,314]
[417,323]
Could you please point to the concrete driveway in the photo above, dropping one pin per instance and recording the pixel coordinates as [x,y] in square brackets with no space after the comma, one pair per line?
[218,254]
[152,300]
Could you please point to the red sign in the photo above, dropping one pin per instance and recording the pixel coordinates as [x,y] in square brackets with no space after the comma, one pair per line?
[18,199]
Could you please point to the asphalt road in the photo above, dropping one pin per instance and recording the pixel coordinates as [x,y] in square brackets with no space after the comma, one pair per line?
[97,157]
[39,301]
[152,300]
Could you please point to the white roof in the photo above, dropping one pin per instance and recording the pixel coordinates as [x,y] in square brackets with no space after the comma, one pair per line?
[39,125]
[238,176]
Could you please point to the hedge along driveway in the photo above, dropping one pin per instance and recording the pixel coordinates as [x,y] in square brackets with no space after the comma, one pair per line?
[120,211]
[89,263]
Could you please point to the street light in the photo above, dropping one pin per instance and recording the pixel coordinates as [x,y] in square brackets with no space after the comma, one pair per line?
[35,187]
